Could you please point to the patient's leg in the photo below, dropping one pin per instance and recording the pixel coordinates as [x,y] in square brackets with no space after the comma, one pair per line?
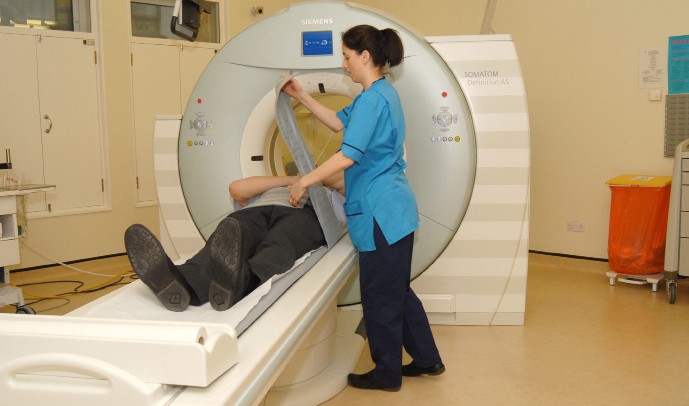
[197,273]
[291,234]
[232,279]
[155,269]
[198,270]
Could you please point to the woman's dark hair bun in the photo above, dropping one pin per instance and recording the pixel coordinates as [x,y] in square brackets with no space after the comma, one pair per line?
[385,46]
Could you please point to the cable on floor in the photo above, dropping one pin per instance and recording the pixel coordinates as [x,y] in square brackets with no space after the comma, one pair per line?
[114,281]
[36,251]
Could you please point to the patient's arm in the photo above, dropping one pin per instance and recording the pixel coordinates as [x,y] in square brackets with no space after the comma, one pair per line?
[244,189]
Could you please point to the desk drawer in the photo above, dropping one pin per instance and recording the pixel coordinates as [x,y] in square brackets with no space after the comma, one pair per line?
[9,252]
[8,204]
[684,224]
[685,198]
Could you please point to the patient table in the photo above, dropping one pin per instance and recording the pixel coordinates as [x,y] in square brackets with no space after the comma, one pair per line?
[297,327]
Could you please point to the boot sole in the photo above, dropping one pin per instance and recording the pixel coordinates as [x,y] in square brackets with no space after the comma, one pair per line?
[149,261]
[225,254]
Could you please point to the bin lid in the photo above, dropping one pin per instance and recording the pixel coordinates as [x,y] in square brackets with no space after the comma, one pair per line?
[640,180]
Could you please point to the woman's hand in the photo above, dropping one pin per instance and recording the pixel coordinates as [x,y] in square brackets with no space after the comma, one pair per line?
[292,88]
[327,116]
[296,192]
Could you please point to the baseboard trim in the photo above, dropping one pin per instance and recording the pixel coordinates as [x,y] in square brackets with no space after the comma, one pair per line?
[76,261]
[556,254]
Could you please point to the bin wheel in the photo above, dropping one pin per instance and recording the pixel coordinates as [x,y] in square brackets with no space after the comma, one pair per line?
[672,292]
[25,310]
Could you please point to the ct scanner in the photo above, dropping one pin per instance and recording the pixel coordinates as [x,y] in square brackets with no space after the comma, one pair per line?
[467,151]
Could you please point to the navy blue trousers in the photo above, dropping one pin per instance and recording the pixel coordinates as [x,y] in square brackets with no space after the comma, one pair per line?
[393,314]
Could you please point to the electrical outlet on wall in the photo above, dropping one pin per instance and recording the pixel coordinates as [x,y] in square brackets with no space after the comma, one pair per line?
[576,226]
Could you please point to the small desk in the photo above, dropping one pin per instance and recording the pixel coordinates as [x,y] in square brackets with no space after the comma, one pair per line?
[9,242]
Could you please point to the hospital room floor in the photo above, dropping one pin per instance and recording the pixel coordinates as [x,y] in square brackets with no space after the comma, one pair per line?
[584,342]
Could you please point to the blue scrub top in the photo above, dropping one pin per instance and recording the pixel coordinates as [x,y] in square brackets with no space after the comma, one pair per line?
[376,186]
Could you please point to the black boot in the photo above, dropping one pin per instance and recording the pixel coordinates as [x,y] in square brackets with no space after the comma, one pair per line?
[152,265]
[231,274]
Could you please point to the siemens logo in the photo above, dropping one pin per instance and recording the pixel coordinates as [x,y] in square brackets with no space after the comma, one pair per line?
[316,21]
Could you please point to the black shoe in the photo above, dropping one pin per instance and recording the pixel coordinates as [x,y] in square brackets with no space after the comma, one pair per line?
[368,381]
[231,275]
[151,264]
[412,369]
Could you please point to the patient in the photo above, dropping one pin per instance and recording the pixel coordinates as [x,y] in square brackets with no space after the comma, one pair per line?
[261,238]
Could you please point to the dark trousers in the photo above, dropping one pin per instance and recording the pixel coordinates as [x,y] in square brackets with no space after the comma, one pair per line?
[273,237]
[393,314]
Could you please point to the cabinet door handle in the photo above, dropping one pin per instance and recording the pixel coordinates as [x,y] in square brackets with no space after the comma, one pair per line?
[50,124]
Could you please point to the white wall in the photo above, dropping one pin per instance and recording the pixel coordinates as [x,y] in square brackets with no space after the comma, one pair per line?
[589,120]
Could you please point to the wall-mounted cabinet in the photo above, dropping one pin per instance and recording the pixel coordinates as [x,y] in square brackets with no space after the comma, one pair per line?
[50,110]
[164,71]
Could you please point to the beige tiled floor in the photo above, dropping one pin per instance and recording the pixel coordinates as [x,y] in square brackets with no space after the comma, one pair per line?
[584,342]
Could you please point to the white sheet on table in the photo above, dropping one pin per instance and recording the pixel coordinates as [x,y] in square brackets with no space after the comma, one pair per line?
[137,302]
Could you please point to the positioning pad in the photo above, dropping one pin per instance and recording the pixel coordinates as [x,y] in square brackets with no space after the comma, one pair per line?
[287,122]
